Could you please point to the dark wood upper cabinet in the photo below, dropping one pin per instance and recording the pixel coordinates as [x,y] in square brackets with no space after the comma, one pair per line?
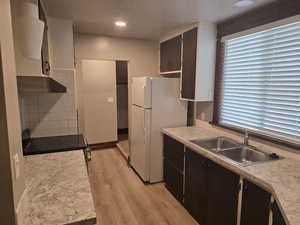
[277,215]
[255,205]
[170,55]
[189,57]
[45,48]
[198,63]
[192,54]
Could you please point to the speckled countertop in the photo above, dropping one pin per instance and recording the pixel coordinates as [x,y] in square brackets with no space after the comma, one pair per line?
[57,190]
[281,178]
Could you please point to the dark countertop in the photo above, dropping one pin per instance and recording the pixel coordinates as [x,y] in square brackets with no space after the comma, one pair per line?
[42,145]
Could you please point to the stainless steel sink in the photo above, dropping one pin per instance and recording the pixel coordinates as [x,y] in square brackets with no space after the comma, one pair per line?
[216,144]
[248,155]
[241,154]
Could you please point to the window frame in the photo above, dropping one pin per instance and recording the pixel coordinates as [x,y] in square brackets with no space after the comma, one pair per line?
[220,54]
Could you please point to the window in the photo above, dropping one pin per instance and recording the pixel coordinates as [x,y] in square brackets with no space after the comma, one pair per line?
[260,88]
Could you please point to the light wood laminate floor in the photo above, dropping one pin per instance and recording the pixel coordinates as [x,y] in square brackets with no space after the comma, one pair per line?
[121,198]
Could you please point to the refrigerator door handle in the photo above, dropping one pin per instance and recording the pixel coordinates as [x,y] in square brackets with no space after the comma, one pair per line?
[145,129]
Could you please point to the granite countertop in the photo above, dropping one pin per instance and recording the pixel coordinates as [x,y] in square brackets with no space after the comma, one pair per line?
[281,178]
[57,190]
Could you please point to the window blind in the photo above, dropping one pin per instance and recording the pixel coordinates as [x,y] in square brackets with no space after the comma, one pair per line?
[260,89]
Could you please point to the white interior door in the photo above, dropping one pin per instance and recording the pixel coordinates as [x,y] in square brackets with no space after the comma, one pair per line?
[140,141]
[99,101]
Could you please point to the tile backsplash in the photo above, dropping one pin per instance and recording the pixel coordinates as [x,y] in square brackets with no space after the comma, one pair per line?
[51,114]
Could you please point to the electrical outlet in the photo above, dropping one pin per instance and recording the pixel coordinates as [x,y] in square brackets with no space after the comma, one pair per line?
[17,165]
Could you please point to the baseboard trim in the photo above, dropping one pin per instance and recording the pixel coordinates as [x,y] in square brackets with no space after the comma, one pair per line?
[105,145]
[123,131]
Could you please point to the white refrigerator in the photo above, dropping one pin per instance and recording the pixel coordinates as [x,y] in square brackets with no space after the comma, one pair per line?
[155,105]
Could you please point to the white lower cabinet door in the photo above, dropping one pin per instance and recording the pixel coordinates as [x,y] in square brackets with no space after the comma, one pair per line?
[140,141]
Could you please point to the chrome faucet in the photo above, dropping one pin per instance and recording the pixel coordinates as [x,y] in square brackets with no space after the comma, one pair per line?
[246,138]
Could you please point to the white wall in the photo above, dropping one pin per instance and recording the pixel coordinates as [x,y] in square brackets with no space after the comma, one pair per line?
[53,114]
[61,46]
[142,56]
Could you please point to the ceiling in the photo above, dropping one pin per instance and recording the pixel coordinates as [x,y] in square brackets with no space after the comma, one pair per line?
[146,19]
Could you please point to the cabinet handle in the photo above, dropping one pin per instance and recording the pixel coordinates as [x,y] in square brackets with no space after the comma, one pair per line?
[239,187]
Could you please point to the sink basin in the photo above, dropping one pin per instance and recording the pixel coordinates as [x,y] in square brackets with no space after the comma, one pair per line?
[247,155]
[216,144]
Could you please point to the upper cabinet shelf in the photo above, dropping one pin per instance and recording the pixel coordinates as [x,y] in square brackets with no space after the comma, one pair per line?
[195,49]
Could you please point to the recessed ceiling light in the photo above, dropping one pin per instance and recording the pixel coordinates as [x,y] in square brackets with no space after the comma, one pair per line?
[244,3]
[120,24]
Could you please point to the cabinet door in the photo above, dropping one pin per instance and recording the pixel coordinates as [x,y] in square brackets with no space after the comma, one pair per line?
[174,152]
[170,55]
[277,216]
[223,191]
[173,180]
[196,188]
[189,64]
[255,205]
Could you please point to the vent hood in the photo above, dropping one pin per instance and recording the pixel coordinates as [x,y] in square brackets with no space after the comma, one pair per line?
[31,31]
[39,84]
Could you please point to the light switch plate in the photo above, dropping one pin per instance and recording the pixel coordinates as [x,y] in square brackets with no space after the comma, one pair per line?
[110,99]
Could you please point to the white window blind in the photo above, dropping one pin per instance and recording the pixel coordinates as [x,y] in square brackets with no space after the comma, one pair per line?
[261,83]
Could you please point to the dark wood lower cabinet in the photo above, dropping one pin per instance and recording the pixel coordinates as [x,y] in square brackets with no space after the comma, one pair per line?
[277,216]
[211,191]
[173,180]
[174,152]
[223,192]
[255,205]
[196,188]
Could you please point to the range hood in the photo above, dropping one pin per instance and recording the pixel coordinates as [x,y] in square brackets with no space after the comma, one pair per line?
[31,31]
[39,84]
